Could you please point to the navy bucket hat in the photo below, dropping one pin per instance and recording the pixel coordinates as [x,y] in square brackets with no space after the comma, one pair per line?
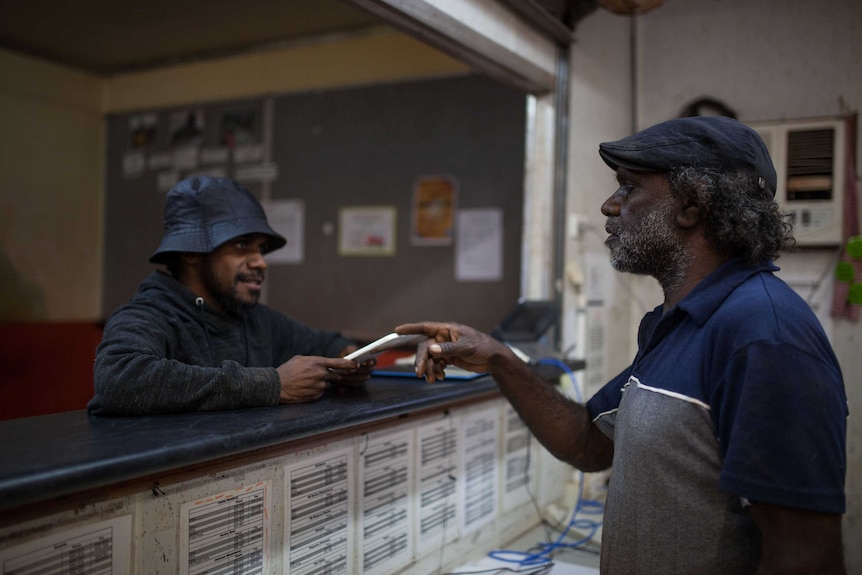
[203,212]
[712,142]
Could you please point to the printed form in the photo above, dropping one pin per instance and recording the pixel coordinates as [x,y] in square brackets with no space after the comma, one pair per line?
[228,532]
[517,461]
[318,495]
[386,533]
[479,456]
[437,469]
[96,549]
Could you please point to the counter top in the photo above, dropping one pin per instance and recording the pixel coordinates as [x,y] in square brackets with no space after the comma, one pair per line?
[50,456]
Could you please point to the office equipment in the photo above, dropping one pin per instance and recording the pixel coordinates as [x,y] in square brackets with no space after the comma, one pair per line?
[525,329]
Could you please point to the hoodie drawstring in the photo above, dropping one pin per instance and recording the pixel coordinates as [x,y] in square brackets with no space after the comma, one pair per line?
[199,302]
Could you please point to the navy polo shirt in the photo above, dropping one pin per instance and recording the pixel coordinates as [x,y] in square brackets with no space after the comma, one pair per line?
[740,381]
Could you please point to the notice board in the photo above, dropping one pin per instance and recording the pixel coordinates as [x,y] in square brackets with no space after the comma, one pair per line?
[410,158]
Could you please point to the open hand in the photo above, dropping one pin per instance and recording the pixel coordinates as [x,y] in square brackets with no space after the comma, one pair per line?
[451,344]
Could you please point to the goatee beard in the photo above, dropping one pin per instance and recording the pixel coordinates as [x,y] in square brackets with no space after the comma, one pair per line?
[227,296]
[232,305]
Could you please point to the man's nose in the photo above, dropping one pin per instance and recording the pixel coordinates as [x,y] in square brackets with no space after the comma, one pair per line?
[257,261]
[611,207]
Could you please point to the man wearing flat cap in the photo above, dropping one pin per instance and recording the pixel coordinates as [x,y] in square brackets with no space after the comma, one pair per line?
[726,434]
[195,338]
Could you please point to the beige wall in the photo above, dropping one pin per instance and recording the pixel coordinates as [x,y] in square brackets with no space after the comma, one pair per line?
[377,55]
[52,148]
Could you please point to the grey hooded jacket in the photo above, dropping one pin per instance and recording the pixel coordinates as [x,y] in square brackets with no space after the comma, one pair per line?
[165,352]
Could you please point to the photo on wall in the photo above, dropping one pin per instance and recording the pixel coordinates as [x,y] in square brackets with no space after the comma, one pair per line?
[237,128]
[186,127]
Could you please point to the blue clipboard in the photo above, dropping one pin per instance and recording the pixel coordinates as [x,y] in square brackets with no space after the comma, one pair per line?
[406,370]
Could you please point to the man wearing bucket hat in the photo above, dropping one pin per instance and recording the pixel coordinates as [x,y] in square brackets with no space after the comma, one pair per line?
[726,434]
[195,337]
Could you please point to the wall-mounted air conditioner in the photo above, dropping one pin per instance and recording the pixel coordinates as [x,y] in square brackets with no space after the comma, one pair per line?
[808,156]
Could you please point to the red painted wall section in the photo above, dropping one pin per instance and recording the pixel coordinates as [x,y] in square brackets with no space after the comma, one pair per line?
[46,367]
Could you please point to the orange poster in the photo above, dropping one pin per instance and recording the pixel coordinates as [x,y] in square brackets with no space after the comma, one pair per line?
[434,202]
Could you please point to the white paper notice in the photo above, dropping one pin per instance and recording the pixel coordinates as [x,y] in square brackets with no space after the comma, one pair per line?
[186,158]
[317,514]
[287,217]
[517,463]
[134,163]
[367,230]
[265,172]
[167,180]
[479,248]
[160,161]
[211,156]
[478,446]
[248,154]
[386,514]
[437,457]
[227,532]
[103,547]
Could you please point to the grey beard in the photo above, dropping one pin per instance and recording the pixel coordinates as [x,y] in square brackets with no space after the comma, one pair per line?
[653,248]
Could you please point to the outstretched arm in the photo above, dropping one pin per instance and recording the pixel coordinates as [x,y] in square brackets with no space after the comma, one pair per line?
[564,427]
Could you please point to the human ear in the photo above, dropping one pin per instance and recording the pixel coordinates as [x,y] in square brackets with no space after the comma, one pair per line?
[688,213]
[191,259]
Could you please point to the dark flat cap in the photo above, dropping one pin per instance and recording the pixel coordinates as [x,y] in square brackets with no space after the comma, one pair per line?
[713,142]
[203,212]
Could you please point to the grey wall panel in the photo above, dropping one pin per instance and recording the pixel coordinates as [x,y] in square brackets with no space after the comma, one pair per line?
[361,146]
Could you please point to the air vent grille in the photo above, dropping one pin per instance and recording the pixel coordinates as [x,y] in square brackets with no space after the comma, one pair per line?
[810,161]
[808,156]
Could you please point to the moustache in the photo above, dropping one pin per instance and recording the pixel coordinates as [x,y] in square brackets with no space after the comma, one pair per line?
[612,227]
[256,277]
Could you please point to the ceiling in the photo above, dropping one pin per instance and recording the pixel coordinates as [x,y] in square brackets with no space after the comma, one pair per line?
[113,36]
[108,37]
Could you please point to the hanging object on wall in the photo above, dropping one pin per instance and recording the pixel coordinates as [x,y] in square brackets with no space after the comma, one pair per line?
[630,6]
[707,107]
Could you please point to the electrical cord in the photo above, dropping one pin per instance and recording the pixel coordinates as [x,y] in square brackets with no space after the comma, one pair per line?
[540,570]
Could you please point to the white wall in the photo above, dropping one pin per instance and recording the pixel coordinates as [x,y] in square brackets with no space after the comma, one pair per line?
[599,110]
[770,59]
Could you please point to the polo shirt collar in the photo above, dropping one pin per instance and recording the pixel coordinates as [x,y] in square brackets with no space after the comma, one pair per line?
[709,294]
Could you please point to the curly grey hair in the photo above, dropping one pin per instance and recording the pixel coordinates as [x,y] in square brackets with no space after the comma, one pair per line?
[741,219]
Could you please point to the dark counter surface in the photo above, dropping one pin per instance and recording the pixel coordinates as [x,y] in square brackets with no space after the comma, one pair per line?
[49,456]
